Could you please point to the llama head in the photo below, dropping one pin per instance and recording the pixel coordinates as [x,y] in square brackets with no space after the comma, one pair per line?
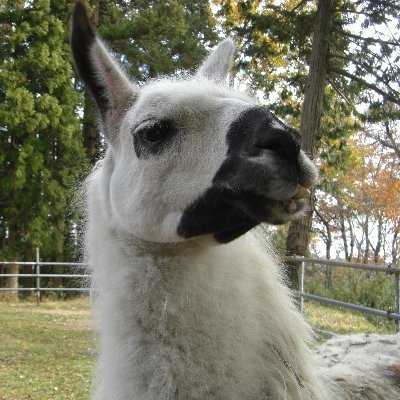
[189,157]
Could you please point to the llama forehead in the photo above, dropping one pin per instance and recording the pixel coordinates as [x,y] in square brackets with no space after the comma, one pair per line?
[186,99]
[193,87]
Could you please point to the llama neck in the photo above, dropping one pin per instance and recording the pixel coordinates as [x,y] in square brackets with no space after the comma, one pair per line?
[153,279]
[195,315]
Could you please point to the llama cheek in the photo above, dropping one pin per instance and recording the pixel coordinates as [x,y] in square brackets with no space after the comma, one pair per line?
[152,226]
[158,228]
[169,228]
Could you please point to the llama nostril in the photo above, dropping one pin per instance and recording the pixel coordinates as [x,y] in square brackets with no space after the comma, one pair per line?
[279,141]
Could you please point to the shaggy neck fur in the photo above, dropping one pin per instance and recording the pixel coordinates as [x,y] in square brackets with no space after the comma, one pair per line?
[193,320]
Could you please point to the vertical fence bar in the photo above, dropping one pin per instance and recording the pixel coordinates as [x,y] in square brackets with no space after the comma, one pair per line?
[396,300]
[37,276]
[301,285]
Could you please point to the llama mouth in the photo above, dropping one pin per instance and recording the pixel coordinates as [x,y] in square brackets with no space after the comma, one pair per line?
[228,214]
[301,193]
[297,203]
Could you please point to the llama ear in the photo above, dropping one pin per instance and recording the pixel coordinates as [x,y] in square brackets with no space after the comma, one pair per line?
[107,83]
[217,64]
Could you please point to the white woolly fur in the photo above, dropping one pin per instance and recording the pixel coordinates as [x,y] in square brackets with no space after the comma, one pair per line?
[199,320]
[190,319]
[194,320]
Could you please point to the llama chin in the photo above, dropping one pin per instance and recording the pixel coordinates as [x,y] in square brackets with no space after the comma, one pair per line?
[192,302]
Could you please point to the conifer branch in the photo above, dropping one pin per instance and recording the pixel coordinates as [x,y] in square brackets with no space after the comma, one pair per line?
[300,5]
[341,94]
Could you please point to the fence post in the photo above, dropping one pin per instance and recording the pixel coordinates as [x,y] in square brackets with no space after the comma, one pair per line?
[301,285]
[37,276]
[396,300]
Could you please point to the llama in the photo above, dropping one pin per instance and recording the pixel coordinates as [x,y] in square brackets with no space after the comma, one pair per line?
[192,301]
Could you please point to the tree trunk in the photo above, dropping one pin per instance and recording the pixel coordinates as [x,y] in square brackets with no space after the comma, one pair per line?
[299,234]
[366,250]
[378,246]
[58,269]
[329,268]
[90,136]
[10,282]
[352,237]
[328,245]
[96,14]
[395,245]
[343,235]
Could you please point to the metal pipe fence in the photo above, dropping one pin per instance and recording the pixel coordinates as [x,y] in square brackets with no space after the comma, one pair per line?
[393,315]
[37,277]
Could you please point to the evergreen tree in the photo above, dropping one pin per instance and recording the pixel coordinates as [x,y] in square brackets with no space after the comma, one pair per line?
[41,151]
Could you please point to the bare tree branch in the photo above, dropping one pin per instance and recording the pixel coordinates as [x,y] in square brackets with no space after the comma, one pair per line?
[365,38]
[384,143]
[393,143]
[382,3]
[392,98]
[350,11]
[365,66]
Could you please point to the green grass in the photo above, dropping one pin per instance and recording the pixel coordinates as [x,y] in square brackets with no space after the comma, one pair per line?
[338,320]
[48,352]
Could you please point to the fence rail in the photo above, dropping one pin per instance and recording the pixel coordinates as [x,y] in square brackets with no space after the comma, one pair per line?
[37,276]
[393,315]
[302,261]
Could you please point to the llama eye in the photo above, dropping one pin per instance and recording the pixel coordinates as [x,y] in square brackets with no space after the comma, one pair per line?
[156,132]
[152,137]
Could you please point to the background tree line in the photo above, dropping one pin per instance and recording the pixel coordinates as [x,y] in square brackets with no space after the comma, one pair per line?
[328,67]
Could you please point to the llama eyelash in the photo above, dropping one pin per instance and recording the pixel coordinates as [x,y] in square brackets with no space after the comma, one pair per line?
[150,138]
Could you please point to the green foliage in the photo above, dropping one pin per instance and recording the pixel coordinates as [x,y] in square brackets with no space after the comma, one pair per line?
[341,321]
[154,37]
[369,289]
[276,235]
[365,52]
[150,38]
[41,153]
[363,75]
[275,47]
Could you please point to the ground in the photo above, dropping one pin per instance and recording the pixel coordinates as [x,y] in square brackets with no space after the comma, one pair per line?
[48,351]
